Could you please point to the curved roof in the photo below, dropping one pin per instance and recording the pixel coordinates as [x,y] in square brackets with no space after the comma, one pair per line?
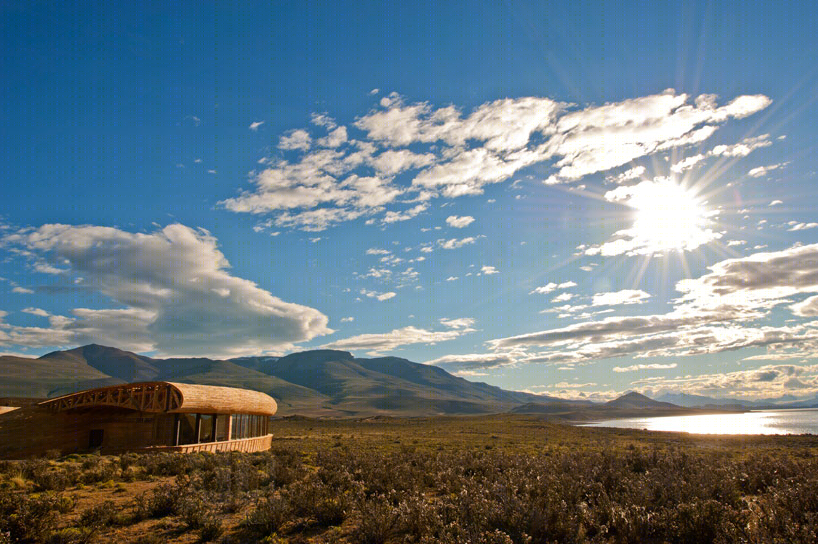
[169,397]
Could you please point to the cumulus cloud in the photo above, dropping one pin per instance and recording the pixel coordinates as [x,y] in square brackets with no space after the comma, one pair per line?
[625,296]
[716,312]
[743,148]
[488,270]
[635,368]
[405,215]
[36,311]
[334,138]
[455,243]
[391,162]
[446,152]
[255,125]
[473,361]
[176,293]
[22,290]
[378,343]
[808,307]
[794,226]
[551,286]
[295,139]
[378,296]
[459,323]
[767,381]
[459,222]
[563,297]
[762,171]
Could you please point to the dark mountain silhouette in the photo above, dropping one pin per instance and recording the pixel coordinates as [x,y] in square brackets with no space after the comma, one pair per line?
[637,401]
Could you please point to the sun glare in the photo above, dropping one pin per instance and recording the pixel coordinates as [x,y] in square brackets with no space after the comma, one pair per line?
[668,217]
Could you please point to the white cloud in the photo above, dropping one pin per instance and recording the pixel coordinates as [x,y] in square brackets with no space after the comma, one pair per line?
[378,296]
[635,368]
[488,270]
[452,278]
[808,307]
[769,381]
[377,343]
[687,163]
[255,125]
[551,286]
[455,243]
[563,297]
[634,173]
[459,222]
[801,226]
[716,312]
[405,215]
[446,152]
[625,296]
[334,138]
[295,140]
[391,162]
[743,148]
[473,361]
[775,203]
[22,290]
[460,323]
[347,319]
[764,170]
[36,311]
[174,285]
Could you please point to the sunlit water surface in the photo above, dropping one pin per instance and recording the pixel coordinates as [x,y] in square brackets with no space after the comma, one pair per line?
[756,422]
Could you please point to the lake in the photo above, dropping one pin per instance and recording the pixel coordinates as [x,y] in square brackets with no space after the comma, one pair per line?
[756,422]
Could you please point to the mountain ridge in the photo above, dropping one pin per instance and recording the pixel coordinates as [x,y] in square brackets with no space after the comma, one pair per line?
[314,382]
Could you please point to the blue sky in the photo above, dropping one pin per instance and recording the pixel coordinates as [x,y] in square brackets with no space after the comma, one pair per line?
[571,199]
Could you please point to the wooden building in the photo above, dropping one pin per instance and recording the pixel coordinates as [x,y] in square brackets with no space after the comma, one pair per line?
[152,416]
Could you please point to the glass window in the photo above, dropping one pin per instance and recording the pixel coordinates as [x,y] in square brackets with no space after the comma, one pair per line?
[234,426]
[206,422]
[186,429]
[221,427]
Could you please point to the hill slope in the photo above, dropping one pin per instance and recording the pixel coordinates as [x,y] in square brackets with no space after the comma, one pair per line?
[318,382]
[636,401]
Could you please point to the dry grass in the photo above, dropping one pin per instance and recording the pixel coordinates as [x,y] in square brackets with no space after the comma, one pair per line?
[495,479]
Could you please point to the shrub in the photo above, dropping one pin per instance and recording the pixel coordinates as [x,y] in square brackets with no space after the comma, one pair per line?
[72,535]
[269,515]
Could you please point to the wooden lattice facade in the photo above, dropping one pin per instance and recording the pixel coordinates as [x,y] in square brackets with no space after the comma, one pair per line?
[144,397]
[152,416]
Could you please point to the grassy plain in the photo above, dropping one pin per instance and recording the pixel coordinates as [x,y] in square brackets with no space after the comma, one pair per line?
[481,479]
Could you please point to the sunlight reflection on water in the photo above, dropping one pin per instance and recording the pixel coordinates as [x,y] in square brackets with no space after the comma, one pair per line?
[757,422]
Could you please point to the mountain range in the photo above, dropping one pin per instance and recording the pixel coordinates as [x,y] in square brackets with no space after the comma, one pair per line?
[315,383]
[330,383]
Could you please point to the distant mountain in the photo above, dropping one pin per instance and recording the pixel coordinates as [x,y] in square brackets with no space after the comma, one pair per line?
[319,382]
[700,401]
[637,401]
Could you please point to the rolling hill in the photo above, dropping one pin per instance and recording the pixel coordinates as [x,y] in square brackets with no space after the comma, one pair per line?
[319,382]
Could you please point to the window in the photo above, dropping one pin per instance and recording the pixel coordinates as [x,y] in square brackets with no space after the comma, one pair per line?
[186,429]
[221,427]
[206,423]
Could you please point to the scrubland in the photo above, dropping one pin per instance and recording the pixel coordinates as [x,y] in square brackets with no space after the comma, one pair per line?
[492,480]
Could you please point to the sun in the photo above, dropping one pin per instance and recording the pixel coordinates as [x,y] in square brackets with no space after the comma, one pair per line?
[668,217]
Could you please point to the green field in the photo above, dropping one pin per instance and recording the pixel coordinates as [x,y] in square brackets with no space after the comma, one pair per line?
[479,479]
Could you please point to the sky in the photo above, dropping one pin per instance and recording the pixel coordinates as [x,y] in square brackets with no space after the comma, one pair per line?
[569,198]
